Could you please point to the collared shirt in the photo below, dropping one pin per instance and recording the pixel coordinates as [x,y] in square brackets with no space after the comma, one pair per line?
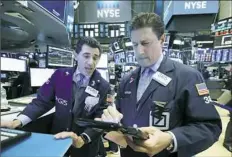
[77,76]
[146,77]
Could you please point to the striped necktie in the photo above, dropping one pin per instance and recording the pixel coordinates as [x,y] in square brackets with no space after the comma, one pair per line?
[80,82]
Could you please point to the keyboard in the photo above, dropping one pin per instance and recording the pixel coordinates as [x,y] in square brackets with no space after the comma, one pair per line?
[10,136]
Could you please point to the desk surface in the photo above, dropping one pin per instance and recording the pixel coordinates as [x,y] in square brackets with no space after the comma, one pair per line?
[38,145]
[14,115]
[26,100]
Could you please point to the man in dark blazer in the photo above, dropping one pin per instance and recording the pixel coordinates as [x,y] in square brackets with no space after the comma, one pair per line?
[167,100]
[228,134]
[74,92]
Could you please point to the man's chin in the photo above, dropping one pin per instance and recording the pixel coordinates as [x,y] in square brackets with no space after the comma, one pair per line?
[145,65]
[89,73]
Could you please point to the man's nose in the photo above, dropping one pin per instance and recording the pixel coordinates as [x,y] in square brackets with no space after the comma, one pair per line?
[90,61]
[140,49]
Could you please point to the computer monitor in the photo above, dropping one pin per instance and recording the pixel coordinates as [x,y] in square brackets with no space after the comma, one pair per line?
[103,61]
[39,76]
[58,57]
[104,73]
[12,64]
[3,75]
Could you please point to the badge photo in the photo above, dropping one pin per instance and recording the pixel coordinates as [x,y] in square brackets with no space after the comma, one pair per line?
[162,123]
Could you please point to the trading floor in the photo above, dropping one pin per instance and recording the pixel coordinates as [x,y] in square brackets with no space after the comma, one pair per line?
[217,150]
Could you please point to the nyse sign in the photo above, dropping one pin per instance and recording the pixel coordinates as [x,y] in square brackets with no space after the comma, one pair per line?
[195,5]
[106,13]
[108,9]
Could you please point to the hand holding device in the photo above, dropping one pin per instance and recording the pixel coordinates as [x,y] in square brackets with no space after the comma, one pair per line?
[157,141]
[107,127]
[111,114]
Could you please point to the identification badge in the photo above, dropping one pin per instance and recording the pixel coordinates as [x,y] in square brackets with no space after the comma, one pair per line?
[91,91]
[161,78]
[90,102]
[161,123]
[127,92]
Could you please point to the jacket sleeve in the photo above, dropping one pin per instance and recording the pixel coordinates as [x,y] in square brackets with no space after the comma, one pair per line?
[96,133]
[44,101]
[201,125]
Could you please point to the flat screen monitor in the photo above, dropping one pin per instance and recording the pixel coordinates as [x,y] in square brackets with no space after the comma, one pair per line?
[3,76]
[39,76]
[58,57]
[104,73]
[103,61]
[12,64]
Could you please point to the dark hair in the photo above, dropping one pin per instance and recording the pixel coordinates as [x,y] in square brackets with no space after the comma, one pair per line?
[148,20]
[33,63]
[92,42]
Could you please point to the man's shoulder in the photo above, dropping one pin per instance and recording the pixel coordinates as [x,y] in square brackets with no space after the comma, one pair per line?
[103,82]
[184,70]
[63,71]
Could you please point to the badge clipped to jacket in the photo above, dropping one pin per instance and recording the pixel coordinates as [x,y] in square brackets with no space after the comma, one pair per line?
[91,91]
[90,102]
[161,78]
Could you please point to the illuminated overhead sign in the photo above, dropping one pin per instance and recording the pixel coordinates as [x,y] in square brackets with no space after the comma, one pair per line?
[106,9]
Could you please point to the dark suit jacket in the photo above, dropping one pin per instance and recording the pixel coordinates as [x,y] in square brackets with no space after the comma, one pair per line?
[191,117]
[57,91]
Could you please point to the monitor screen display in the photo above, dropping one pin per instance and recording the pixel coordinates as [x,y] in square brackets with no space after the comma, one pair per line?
[39,76]
[58,57]
[103,61]
[104,73]
[3,76]
[12,64]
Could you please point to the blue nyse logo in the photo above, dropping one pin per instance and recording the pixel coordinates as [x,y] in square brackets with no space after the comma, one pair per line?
[107,5]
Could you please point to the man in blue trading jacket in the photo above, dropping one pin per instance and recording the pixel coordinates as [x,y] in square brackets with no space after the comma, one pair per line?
[165,99]
[75,92]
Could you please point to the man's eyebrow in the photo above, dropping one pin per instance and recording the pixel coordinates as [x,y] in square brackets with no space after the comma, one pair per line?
[87,53]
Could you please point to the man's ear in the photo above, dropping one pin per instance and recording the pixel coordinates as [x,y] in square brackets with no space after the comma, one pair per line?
[162,39]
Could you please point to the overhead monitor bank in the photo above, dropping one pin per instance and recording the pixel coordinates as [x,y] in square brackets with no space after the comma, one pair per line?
[58,57]
[12,64]
[173,7]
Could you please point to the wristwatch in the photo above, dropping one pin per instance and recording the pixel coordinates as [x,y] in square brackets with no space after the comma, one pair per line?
[84,138]
[171,146]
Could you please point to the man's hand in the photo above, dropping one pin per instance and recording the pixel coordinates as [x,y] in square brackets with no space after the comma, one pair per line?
[11,124]
[157,141]
[77,140]
[110,114]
